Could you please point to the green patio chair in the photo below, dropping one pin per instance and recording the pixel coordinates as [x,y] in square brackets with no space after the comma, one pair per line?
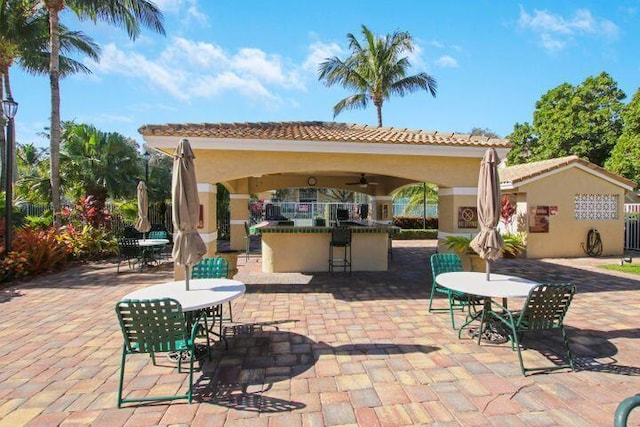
[129,251]
[213,268]
[449,263]
[624,410]
[157,326]
[544,310]
[249,241]
[159,252]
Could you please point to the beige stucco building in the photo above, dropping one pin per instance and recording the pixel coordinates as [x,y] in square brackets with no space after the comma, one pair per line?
[251,158]
[560,200]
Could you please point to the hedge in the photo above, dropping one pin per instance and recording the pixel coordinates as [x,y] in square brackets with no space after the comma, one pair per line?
[415,222]
[416,234]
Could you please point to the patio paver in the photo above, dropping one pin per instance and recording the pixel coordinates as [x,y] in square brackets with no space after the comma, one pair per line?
[315,349]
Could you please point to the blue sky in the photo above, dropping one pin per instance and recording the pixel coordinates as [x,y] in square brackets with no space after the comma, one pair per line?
[249,61]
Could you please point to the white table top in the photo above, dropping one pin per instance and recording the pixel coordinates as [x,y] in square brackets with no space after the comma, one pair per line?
[152,242]
[203,293]
[475,283]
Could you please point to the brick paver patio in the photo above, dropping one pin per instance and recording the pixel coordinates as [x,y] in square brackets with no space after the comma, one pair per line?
[319,350]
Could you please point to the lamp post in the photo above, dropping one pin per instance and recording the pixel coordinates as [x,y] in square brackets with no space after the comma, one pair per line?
[9,108]
[146,157]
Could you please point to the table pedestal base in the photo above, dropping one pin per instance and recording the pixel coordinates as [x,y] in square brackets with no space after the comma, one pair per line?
[490,335]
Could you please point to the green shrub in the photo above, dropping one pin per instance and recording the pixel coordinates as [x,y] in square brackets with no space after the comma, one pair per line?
[460,244]
[415,234]
[514,244]
[89,242]
[33,252]
[415,222]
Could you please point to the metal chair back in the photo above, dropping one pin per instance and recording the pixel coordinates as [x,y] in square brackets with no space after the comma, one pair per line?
[151,326]
[449,263]
[445,263]
[341,236]
[157,326]
[210,268]
[158,234]
[546,307]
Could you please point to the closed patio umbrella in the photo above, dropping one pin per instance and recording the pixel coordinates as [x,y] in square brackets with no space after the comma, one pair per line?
[488,243]
[188,246]
[142,224]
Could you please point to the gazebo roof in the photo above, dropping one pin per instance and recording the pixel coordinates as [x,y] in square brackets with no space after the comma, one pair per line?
[322,131]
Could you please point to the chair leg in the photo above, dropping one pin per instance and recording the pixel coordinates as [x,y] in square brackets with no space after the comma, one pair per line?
[190,392]
[453,321]
[230,313]
[120,382]
[433,291]
[567,349]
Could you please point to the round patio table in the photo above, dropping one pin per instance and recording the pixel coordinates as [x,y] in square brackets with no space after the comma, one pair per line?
[498,286]
[202,293]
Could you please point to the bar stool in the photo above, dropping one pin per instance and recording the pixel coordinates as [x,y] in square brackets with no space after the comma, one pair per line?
[340,238]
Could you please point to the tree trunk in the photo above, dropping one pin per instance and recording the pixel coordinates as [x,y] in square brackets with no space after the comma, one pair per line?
[54,8]
[379,108]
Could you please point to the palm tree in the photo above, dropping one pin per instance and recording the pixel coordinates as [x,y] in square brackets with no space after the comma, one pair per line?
[417,195]
[24,39]
[375,71]
[124,13]
[97,163]
[33,183]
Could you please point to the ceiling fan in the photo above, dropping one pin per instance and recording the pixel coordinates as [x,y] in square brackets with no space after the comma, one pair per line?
[362,182]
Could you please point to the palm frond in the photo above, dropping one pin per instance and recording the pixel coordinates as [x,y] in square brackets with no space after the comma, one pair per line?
[352,102]
[128,14]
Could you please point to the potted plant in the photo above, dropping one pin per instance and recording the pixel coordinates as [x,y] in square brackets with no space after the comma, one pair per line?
[471,261]
[514,245]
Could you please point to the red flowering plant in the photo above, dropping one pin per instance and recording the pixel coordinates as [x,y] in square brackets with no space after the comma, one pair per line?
[87,210]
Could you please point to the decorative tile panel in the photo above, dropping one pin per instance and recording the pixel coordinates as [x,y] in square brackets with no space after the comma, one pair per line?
[595,207]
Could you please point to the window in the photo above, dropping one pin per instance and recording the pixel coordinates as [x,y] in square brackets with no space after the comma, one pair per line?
[308,195]
[589,207]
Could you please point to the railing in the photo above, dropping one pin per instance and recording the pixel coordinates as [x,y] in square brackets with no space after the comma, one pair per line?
[403,209]
[301,213]
[632,226]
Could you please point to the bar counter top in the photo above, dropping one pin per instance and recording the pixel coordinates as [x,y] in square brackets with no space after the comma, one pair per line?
[356,227]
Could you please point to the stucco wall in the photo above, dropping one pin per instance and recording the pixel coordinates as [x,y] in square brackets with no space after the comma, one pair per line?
[566,234]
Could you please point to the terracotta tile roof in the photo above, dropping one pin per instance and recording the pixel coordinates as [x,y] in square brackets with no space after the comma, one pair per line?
[321,131]
[524,172]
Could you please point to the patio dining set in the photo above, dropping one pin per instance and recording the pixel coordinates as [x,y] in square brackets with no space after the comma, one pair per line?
[148,251]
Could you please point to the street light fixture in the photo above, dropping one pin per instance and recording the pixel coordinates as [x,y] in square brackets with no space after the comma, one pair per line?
[9,108]
[146,155]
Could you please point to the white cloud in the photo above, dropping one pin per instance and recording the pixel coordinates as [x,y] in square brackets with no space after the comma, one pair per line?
[187,9]
[188,69]
[555,30]
[318,52]
[446,61]
[415,58]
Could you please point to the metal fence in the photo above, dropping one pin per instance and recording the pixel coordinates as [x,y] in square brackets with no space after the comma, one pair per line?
[300,213]
[403,209]
[632,226]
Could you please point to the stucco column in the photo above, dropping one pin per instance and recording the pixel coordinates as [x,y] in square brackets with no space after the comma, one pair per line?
[208,228]
[382,207]
[239,214]
[450,200]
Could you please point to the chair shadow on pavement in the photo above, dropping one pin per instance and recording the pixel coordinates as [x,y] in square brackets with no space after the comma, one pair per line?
[592,350]
[261,355]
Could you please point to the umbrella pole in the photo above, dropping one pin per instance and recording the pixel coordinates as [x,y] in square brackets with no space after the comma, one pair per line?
[186,272]
[488,269]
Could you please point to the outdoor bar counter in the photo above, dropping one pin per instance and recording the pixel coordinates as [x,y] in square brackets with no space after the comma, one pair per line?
[289,249]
